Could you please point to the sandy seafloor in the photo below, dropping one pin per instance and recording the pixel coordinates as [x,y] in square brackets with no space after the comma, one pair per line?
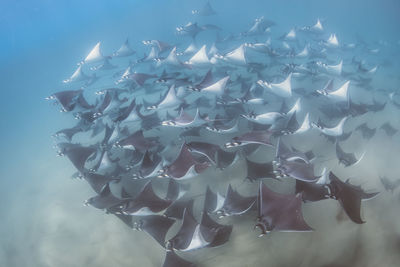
[43,221]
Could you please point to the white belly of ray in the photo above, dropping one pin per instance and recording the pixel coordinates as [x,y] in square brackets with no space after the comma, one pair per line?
[114,105]
[170,99]
[303,53]
[255,101]
[189,174]
[155,171]
[335,131]
[106,166]
[237,56]
[283,89]
[361,157]
[305,126]
[220,202]
[267,118]
[197,121]
[124,50]
[213,50]
[94,55]
[200,58]
[145,211]
[318,26]
[152,55]
[341,93]
[255,27]
[296,107]
[133,116]
[333,41]
[190,49]
[291,35]
[171,59]
[197,240]
[324,177]
[217,88]
[125,75]
[233,129]
[285,45]
[77,76]
[373,70]
[335,69]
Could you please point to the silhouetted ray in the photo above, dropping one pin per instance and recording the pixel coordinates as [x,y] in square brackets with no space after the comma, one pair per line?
[149,167]
[235,204]
[214,233]
[105,199]
[366,132]
[347,159]
[127,219]
[255,137]
[207,10]
[177,209]
[389,185]
[334,139]
[191,132]
[285,153]
[190,29]
[137,141]
[205,82]
[125,50]
[212,202]
[175,190]
[149,121]
[250,149]
[279,212]
[257,171]
[298,170]
[105,165]
[107,98]
[68,133]
[185,166]
[260,26]
[389,129]
[222,128]
[189,236]
[356,109]
[349,197]
[224,159]
[292,124]
[205,149]
[376,106]
[97,181]
[146,203]
[156,226]
[141,78]
[67,99]
[312,191]
[78,155]
[128,113]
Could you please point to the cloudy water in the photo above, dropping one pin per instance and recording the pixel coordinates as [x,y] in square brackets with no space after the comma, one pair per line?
[200,133]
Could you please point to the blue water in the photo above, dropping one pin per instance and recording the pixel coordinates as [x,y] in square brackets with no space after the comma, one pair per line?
[41,42]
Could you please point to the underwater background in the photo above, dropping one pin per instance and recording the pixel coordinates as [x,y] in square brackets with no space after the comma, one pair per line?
[43,220]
